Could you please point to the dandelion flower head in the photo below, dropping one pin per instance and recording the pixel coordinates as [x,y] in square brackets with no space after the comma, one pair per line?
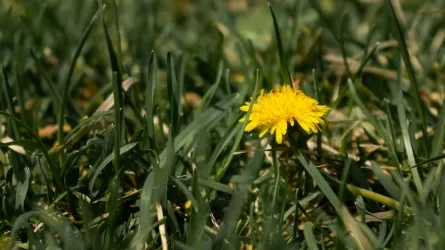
[273,111]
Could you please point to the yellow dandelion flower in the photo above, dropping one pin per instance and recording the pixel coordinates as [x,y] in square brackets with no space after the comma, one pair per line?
[273,111]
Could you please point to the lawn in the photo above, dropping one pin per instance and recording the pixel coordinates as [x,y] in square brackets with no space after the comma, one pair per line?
[236,124]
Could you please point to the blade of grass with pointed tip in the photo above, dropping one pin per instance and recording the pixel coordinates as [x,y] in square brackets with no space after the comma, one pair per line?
[111,51]
[117,89]
[66,86]
[118,36]
[365,61]
[398,34]
[206,99]
[172,89]
[22,188]
[285,73]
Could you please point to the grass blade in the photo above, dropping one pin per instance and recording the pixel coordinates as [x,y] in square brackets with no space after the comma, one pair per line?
[118,115]
[309,236]
[114,212]
[122,150]
[7,93]
[389,185]
[407,143]
[237,201]
[437,143]
[208,96]
[398,34]
[285,73]
[173,94]
[220,147]
[66,86]
[344,214]
[165,168]
[149,98]
[54,168]
[111,51]
[220,171]
[118,36]
[215,185]
[187,193]
[22,188]
[439,157]
[442,206]
[197,218]
[203,121]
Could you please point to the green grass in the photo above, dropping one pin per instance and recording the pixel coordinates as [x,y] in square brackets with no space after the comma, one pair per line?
[164,163]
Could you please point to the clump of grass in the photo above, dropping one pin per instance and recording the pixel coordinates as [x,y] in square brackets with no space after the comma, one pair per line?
[120,125]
